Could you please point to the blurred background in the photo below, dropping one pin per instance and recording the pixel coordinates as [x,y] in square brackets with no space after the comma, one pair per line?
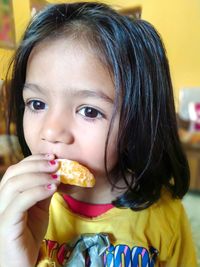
[178,22]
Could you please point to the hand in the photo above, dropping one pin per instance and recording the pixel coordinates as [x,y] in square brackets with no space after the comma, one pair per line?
[25,193]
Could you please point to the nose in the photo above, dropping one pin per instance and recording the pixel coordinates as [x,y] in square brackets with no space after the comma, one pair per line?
[57,129]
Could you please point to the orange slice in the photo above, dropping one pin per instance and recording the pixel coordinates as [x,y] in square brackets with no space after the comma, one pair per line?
[73,173]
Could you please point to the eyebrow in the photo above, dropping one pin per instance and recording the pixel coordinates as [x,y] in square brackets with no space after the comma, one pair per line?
[77,92]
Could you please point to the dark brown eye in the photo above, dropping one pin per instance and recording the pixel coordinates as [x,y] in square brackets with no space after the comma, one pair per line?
[90,112]
[36,105]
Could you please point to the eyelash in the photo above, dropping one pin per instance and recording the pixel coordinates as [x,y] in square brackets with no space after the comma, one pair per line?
[99,115]
[30,105]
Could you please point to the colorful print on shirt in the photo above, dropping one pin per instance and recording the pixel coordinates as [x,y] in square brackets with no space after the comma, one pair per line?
[114,256]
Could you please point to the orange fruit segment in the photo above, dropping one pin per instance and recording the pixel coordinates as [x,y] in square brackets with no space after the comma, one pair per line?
[73,173]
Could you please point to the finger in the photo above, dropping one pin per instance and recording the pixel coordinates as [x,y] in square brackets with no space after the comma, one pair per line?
[29,166]
[31,158]
[18,184]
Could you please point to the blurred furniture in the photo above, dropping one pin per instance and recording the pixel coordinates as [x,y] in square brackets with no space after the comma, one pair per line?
[188,122]
[187,96]
[193,155]
[9,151]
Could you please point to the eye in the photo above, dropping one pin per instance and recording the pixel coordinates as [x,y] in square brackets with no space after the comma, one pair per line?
[90,112]
[36,105]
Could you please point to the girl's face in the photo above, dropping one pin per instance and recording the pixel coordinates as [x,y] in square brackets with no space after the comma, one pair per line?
[68,97]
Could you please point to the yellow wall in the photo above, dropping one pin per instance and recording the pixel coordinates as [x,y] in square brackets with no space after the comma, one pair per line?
[178,22]
[21,13]
[119,4]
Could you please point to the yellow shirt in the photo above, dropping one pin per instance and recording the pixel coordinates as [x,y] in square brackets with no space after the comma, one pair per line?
[157,236]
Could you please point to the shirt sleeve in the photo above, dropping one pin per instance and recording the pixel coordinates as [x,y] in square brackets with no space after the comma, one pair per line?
[182,250]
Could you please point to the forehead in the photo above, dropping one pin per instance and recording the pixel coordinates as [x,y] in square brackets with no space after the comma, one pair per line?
[81,49]
[67,63]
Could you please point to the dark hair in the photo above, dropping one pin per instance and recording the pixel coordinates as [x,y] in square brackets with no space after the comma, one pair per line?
[149,150]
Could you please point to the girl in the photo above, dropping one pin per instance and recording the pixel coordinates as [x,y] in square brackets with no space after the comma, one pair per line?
[91,85]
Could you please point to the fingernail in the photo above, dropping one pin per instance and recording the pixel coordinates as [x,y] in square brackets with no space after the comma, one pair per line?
[51,186]
[52,162]
[54,176]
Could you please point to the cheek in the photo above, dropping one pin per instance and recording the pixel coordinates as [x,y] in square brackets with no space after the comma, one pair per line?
[91,147]
[94,152]
[29,133]
[26,128]
[112,149]
[112,154]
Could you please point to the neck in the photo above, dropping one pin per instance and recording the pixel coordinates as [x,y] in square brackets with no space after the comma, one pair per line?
[94,196]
